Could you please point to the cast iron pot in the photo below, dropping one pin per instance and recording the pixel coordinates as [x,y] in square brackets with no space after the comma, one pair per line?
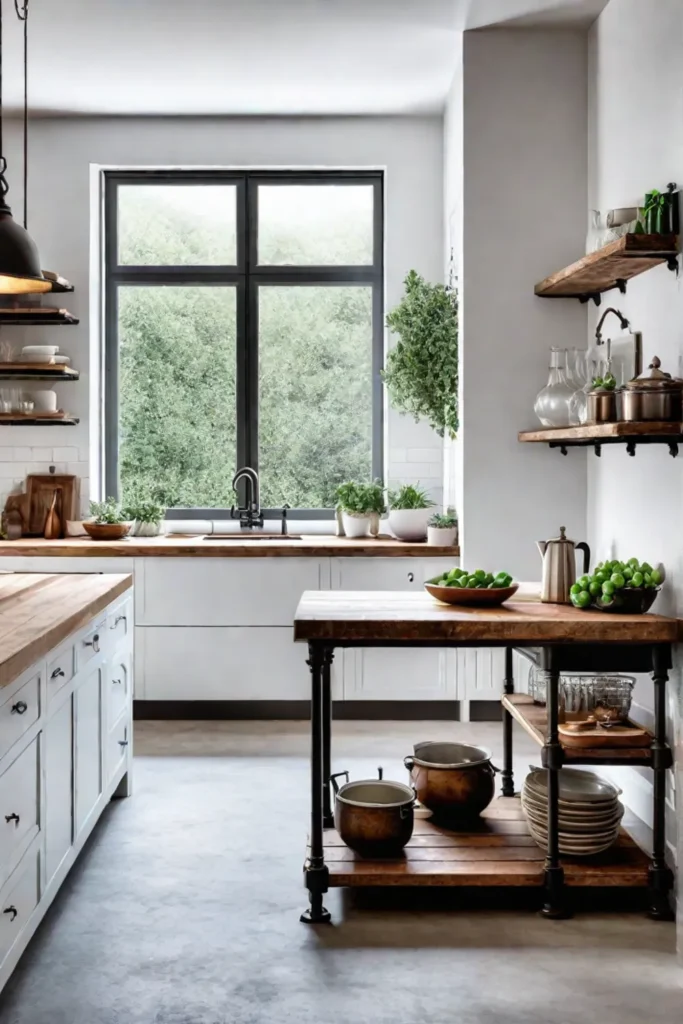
[373,816]
[454,780]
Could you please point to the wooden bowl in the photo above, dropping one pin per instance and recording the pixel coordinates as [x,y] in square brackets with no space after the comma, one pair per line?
[470,595]
[106,531]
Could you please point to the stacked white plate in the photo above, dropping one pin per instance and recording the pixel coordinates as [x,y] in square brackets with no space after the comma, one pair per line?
[590,812]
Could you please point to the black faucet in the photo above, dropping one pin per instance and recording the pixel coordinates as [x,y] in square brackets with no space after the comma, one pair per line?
[251,515]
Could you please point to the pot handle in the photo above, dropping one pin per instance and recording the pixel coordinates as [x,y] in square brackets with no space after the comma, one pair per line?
[406,810]
[380,773]
[586,556]
[333,780]
[409,762]
[494,771]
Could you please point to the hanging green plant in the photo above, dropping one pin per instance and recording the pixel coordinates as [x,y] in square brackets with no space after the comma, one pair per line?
[421,371]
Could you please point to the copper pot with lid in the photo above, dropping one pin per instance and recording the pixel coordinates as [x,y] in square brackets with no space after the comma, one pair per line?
[654,396]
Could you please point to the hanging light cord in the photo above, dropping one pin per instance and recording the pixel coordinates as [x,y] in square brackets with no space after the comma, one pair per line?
[4,187]
[21,7]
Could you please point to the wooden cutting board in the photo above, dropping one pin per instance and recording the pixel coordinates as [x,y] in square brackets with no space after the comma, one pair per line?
[627,735]
[41,490]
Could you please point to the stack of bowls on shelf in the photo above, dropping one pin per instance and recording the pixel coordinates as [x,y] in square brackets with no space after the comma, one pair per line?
[590,812]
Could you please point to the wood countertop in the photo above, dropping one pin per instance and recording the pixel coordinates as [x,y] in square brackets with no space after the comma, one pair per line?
[39,610]
[415,616]
[195,547]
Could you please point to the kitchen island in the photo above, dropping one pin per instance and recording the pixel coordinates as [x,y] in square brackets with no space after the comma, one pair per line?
[66,681]
[568,640]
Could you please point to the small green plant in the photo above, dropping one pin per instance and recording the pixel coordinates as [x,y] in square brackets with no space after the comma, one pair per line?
[606,383]
[443,521]
[409,496]
[361,499]
[421,371]
[144,512]
[107,512]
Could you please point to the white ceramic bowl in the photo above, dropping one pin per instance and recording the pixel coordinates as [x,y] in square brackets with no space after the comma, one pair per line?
[39,353]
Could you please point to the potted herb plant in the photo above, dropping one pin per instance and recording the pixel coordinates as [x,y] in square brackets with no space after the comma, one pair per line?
[409,512]
[442,529]
[147,518]
[360,507]
[107,520]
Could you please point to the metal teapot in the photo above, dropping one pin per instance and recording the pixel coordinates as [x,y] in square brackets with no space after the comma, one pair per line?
[559,567]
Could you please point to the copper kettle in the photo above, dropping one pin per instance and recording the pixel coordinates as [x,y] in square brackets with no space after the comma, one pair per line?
[559,567]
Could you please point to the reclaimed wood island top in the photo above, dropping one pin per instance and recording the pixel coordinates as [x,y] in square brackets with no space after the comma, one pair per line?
[360,617]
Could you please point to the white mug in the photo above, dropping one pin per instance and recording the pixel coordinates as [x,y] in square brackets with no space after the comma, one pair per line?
[45,401]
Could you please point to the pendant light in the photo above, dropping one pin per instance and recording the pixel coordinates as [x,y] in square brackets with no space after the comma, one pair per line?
[19,260]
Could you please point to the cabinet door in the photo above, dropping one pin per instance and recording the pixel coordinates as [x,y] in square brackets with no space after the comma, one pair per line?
[19,807]
[58,787]
[230,663]
[88,752]
[386,573]
[372,673]
[18,901]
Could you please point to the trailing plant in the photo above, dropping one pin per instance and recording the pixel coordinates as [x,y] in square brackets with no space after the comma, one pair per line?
[107,512]
[144,512]
[361,499]
[421,371]
[408,497]
[443,521]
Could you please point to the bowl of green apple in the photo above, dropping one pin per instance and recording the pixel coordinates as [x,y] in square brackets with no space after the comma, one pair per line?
[628,587]
[479,587]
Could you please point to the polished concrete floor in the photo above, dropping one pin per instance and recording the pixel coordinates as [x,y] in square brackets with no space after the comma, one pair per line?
[184,910]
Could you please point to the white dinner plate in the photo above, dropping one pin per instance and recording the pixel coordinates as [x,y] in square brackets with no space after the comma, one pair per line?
[586,787]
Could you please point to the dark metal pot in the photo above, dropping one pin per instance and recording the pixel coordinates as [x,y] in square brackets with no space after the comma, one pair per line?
[454,780]
[373,816]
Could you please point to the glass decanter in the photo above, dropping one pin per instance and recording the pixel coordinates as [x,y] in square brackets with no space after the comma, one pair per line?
[578,378]
[552,401]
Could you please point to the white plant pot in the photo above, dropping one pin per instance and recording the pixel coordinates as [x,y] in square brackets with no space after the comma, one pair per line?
[356,526]
[443,536]
[146,529]
[410,523]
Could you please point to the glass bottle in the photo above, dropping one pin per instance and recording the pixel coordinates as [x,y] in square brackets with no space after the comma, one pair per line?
[552,401]
[577,377]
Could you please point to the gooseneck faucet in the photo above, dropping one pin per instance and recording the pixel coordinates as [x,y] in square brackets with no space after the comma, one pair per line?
[251,515]
[625,324]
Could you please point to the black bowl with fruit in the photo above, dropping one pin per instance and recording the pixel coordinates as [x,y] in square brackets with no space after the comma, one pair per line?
[461,587]
[630,588]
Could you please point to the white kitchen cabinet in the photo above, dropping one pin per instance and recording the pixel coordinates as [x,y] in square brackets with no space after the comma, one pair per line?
[19,708]
[88,747]
[223,591]
[386,573]
[18,902]
[58,791]
[227,663]
[19,807]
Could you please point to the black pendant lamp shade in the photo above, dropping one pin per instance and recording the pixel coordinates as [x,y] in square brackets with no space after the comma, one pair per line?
[19,260]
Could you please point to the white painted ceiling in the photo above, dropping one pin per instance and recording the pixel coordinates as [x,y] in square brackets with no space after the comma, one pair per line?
[246,57]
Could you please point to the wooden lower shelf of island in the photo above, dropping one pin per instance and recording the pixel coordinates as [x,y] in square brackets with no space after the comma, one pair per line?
[497,851]
[534,720]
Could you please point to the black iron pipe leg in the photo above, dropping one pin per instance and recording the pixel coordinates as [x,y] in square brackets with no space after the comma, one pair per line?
[328,816]
[555,904]
[316,873]
[660,875]
[507,778]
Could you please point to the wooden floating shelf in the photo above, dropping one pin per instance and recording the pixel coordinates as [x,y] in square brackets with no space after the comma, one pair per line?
[16,419]
[596,434]
[534,720]
[37,316]
[498,850]
[610,267]
[37,371]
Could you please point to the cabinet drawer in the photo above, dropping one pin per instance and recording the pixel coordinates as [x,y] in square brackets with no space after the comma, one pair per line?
[19,712]
[119,623]
[386,573]
[18,901]
[19,808]
[90,644]
[60,670]
[119,686]
[118,744]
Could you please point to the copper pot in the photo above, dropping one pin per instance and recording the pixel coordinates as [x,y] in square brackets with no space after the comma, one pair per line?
[653,396]
[373,816]
[454,780]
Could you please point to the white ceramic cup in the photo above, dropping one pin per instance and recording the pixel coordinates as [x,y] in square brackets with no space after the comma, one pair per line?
[45,401]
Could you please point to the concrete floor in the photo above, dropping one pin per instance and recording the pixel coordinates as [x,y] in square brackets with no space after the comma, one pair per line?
[184,910]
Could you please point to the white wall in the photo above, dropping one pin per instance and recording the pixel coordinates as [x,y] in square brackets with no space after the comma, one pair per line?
[524,214]
[62,152]
[636,144]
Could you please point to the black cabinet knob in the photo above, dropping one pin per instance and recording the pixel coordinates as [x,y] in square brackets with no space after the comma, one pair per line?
[12,911]
[19,708]
[57,673]
[12,817]
[411,577]
[94,643]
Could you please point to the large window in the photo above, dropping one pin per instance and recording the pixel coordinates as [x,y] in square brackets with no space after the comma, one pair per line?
[243,327]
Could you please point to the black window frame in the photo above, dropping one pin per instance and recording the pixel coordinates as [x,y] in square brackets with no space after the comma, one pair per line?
[246,275]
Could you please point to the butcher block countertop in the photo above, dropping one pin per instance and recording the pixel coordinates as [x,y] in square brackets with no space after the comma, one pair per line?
[321,546]
[39,610]
[376,616]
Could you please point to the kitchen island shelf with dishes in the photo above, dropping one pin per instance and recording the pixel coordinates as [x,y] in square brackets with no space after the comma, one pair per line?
[610,267]
[534,720]
[37,371]
[595,435]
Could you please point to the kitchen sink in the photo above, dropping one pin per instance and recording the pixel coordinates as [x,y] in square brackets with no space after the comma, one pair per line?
[251,536]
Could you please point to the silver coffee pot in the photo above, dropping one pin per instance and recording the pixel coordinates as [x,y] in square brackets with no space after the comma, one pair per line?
[559,567]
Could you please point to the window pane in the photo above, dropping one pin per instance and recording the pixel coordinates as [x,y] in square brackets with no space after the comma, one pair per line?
[314,225]
[177,225]
[315,388]
[177,395]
